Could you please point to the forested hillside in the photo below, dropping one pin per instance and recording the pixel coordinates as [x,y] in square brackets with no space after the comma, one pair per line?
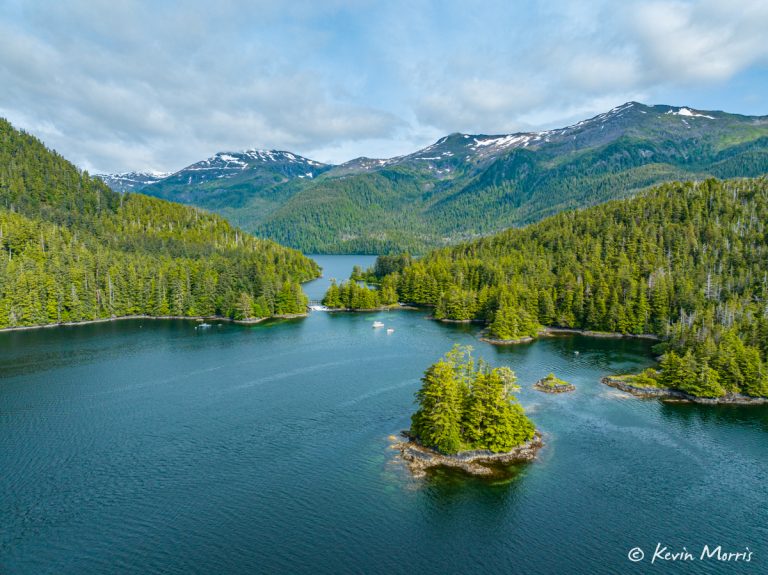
[685,261]
[71,250]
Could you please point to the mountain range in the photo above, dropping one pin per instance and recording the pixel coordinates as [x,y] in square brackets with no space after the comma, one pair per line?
[463,185]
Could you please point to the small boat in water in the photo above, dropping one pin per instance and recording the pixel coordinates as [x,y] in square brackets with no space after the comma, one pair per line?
[378,324]
[203,326]
[390,330]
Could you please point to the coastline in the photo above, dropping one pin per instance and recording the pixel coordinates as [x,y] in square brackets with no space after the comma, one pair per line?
[606,334]
[492,341]
[554,331]
[419,458]
[546,331]
[675,395]
[394,306]
[252,321]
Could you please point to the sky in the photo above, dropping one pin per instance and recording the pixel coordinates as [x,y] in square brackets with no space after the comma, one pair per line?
[140,85]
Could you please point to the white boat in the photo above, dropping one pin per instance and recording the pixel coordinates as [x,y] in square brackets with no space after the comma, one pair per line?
[390,330]
[378,324]
[202,326]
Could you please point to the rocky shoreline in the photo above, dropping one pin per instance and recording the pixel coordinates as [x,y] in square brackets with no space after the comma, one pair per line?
[492,341]
[605,334]
[419,458]
[564,387]
[553,331]
[252,321]
[394,306]
[675,395]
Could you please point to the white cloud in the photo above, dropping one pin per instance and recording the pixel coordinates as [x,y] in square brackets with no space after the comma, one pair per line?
[136,85]
[700,41]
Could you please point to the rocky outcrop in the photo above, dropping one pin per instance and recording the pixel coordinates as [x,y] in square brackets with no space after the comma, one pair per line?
[419,458]
[547,386]
[672,395]
[524,339]
[605,334]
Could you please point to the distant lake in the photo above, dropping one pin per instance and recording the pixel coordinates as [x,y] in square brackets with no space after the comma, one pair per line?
[146,446]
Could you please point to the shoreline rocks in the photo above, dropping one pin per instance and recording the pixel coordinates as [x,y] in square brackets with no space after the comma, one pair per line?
[419,458]
[546,385]
[605,334]
[677,396]
[492,341]
[394,306]
[553,331]
[251,321]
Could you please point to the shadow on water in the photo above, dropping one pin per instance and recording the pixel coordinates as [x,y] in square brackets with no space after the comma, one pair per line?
[448,478]
[449,493]
[736,416]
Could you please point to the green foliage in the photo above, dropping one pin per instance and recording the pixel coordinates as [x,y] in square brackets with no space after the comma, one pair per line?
[685,261]
[354,296]
[73,250]
[511,321]
[551,381]
[647,378]
[438,420]
[465,405]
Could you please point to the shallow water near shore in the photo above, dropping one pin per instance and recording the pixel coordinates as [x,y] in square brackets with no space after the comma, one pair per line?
[152,447]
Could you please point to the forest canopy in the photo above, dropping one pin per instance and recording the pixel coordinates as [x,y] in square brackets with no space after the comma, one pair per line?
[685,261]
[71,249]
[464,404]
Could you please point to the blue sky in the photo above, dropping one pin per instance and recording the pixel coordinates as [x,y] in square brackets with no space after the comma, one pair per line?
[134,85]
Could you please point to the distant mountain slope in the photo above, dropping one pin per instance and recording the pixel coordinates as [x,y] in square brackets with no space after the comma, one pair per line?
[465,185]
[74,250]
[243,186]
[130,181]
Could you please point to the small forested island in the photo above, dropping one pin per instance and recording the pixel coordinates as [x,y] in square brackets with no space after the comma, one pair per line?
[684,263]
[72,250]
[467,418]
[551,384]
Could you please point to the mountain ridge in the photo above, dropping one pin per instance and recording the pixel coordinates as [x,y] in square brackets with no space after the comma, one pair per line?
[467,185]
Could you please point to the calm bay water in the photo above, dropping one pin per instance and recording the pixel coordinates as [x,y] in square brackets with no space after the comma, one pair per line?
[152,447]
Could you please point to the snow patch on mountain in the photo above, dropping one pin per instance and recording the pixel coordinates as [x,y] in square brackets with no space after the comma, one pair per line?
[689,113]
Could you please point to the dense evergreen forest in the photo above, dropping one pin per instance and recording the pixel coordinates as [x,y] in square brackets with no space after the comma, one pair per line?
[685,261]
[72,250]
[464,404]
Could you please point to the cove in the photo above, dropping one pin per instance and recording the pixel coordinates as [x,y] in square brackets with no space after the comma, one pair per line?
[151,447]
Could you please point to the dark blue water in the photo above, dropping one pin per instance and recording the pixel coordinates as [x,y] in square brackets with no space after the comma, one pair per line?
[152,447]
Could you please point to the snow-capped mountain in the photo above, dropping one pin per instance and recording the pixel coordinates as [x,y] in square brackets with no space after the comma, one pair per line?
[479,149]
[224,166]
[249,163]
[248,173]
[465,185]
[130,181]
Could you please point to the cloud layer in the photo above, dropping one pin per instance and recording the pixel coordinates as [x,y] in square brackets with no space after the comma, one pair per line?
[140,85]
